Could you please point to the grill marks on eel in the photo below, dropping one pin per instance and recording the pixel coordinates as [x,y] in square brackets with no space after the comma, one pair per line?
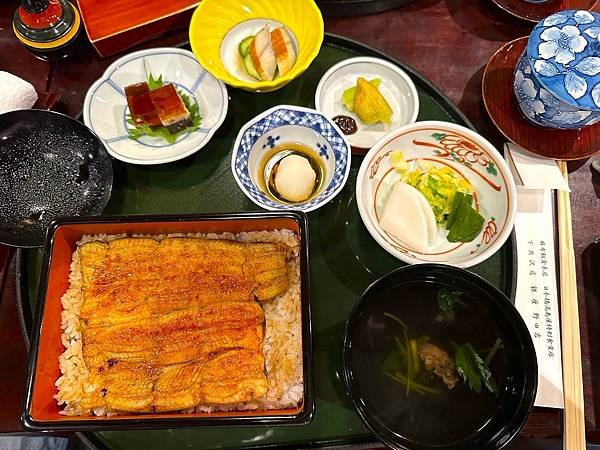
[172,324]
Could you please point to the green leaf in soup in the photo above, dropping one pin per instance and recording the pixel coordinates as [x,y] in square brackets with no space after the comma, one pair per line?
[472,368]
[392,362]
[446,300]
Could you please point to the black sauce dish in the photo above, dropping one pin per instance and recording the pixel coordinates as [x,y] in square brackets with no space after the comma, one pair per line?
[457,418]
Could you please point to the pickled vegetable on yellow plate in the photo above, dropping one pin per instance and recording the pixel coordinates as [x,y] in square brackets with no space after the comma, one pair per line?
[369,104]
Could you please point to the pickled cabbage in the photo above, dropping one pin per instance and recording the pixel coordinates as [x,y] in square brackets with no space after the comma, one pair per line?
[369,104]
[348,95]
[437,184]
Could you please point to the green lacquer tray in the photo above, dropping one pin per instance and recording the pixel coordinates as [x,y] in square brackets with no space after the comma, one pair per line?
[344,259]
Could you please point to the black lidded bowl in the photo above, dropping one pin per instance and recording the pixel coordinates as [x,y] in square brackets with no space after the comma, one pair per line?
[453,419]
[51,166]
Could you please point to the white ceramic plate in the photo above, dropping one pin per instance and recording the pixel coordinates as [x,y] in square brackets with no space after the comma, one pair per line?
[444,145]
[105,106]
[396,87]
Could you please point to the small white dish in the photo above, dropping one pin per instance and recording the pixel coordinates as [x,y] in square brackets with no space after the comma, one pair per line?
[105,106]
[469,155]
[396,87]
[290,124]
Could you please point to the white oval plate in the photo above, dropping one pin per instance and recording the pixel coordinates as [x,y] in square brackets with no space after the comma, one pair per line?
[105,106]
[396,87]
[444,145]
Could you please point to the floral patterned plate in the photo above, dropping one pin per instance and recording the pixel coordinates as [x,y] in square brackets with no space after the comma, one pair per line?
[442,144]
[501,104]
[536,11]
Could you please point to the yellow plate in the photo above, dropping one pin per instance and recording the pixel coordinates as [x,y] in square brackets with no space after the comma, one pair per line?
[218,26]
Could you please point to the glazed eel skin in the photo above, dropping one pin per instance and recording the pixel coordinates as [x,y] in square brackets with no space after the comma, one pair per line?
[169,325]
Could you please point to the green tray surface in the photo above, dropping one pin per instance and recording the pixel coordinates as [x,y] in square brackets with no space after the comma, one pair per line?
[344,258]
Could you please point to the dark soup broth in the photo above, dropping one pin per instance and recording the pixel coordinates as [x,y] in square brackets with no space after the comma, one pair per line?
[410,355]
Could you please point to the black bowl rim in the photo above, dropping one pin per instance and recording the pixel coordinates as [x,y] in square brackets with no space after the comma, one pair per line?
[303,417]
[109,182]
[530,389]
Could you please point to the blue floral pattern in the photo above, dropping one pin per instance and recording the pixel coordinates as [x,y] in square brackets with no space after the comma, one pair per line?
[561,43]
[323,150]
[271,141]
[543,108]
[557,79]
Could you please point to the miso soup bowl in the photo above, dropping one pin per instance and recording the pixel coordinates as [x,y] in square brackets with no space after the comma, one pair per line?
[380,401]
[290,124]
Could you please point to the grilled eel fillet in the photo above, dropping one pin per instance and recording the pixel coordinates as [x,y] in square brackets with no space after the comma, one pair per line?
[234,375]
[139,278]
[168,325]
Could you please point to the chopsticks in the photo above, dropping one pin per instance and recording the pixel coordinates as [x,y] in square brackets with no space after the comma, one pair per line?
[574,417]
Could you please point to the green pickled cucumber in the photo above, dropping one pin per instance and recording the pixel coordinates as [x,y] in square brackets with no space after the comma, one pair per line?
[249,65]
[244,47]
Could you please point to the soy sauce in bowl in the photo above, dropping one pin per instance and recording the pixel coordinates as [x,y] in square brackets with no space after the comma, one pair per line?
[434,356]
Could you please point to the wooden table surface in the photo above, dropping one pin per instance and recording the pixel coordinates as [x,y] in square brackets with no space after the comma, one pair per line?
[449,42]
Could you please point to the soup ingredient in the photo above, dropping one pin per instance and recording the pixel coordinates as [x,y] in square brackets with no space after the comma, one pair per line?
[295,178]
[473,369]
[350,93]
[157,109]
[446,301]
[466,221]
[346,123]
[409,217]
[439,362]
[268,52]
[402,363]
[467,363]
[285,54]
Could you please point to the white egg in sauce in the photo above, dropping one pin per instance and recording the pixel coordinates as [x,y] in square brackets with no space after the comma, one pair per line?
[291,173]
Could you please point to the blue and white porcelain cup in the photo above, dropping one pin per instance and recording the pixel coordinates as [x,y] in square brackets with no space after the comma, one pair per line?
[557,78]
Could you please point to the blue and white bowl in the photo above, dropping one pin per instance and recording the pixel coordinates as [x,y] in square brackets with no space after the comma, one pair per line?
[557,79]
[287,123]
[105,107]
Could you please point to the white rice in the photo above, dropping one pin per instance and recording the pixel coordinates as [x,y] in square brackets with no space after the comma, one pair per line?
[282,345]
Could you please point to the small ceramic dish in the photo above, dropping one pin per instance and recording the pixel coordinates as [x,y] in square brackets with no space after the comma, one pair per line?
[501,105]
[105,107]
[290,124]
[218,26]
[534,11]
[470,156]
[396,87]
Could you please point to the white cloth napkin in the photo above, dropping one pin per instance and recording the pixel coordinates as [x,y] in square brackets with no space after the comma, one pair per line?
[15,93]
